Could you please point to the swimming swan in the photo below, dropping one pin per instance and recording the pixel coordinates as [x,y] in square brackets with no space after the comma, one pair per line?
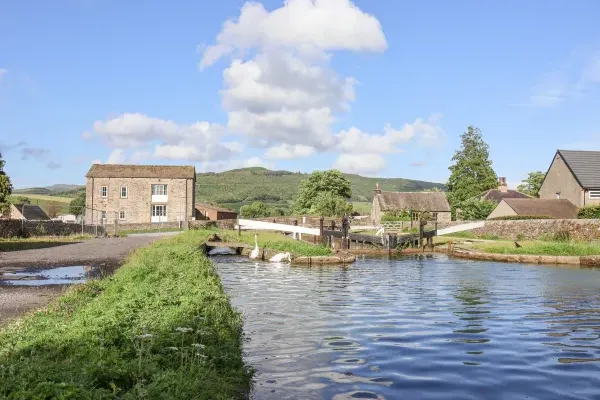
[279,257]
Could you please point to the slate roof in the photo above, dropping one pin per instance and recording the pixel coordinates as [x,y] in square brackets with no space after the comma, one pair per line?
[32,213]
[421,201]
[141,171]
[498,195]
[203,206]
[555,208]
[585,166]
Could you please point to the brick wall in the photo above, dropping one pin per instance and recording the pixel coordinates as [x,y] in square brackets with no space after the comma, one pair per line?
[579,229]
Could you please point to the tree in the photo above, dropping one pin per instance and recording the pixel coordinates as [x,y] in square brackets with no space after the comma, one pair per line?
[22,200]
[318,182]
[53,209]
[328,204]
[471,173]
[5,188]
[77,205]
[255,210]
[433,189]
[532,184]
[475,209]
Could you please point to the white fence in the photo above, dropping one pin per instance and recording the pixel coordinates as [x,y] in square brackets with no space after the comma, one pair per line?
[250,224]
[461,228]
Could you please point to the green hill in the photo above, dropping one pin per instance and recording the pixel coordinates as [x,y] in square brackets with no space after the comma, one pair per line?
[277,188]
[54,190]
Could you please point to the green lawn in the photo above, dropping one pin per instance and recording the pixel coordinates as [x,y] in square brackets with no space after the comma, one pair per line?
[363,207]
[160,328]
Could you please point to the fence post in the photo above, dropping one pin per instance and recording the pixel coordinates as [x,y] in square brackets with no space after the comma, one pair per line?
[321,229]
[345,239]
[295,235]
[239,228]
[421,231]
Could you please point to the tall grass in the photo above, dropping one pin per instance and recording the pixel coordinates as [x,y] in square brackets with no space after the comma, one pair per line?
[548,248]
[161,327]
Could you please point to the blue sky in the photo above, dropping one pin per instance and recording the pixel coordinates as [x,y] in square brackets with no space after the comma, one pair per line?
[379,88]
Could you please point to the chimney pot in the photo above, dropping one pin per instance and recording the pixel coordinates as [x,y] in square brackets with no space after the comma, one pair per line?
[502,184]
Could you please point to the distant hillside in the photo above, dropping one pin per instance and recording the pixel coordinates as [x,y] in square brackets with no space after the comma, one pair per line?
[278,188]
[59,189]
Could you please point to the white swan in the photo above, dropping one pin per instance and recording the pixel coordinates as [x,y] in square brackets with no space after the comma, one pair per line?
[254,253]
[279,257]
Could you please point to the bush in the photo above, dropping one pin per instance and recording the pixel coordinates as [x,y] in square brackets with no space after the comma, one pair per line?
[476,209]
[562,236]
[520,217]
[393,216]
[589,212]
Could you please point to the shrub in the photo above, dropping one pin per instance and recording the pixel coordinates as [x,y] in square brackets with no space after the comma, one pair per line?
[520,217]
[562,236]
[520,237]
[589,212]
[393,216]
[476,209]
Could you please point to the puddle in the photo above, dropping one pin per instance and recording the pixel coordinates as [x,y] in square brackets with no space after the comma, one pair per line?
[53,276]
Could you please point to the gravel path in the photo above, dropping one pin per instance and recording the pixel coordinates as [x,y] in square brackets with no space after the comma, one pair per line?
[17,300]
[89,252]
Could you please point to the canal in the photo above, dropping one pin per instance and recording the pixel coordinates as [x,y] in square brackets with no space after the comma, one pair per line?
[423,327]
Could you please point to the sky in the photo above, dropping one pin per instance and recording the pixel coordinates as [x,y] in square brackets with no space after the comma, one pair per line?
[378,88]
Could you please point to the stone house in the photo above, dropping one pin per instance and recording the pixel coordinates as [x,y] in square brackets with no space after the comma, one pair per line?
[549,208]
[573,175]
[503,192]
[28,212]
[213,213]
[435,203]
[140,193]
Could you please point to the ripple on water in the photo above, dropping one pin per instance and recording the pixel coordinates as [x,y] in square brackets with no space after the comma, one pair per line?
[427,328]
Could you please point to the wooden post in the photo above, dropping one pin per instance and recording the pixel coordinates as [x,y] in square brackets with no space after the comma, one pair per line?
[345,240]
[295,235]
[333,225]
[321,230]
[239,228]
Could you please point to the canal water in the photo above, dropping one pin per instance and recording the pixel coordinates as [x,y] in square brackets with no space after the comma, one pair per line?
[424,327]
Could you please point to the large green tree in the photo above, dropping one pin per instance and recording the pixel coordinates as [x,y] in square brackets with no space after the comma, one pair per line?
[532,184]
[471,171]
[331,181]
[77,205]
[5,188]
[328,204]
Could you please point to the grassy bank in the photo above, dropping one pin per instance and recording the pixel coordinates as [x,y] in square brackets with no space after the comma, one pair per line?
[161,327]
[39,242]
[271,240]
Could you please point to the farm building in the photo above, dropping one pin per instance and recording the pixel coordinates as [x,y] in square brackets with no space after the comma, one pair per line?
[213,213]
[548,208]
[434,203]
[28,212]
[503,192]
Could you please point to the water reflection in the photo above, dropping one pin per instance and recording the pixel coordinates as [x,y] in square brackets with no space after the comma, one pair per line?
[418,327]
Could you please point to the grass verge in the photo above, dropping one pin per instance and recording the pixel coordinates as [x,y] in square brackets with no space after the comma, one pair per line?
[160,327]
[271,240]
[542,248]
[39,242]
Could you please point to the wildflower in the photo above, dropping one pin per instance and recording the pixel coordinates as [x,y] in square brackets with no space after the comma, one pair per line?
[172,348]
[145,336]
[200,355]
[198,345]
[184,330]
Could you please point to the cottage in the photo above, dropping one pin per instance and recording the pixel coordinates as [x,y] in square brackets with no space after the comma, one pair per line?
[543,208]
[213,213]
[28,212]
[573,175]
[435,203]
[140,193]
[503,192]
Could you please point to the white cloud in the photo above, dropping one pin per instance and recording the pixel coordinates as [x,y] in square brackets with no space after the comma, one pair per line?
[578,74]
[359,163]
[117,156]
[200,141]
[309,25]
[3,72]
[280,88]
[288,152]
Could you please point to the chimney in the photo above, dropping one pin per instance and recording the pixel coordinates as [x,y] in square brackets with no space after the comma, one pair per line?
[502,184]
[377,190]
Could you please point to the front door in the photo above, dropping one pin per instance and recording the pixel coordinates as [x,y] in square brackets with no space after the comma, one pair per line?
[159,213]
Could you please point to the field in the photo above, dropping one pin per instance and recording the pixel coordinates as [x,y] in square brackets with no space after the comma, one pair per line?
[160,327]
[44,201]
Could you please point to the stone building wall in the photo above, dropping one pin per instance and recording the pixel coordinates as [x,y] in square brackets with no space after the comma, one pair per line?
[137,205]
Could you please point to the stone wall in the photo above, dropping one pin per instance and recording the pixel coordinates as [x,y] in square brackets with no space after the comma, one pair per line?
[579,229]
[14,228]
[196,224]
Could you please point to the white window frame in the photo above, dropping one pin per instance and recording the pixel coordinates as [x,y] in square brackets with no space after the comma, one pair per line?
[122,215]
[594,194]
[126,192]
[154,210]
[163,189]
[104,192]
